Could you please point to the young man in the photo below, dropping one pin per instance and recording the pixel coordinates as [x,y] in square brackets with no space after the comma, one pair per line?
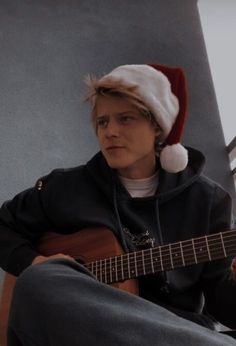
[148,190]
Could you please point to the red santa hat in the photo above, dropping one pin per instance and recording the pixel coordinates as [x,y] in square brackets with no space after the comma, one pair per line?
[163,90]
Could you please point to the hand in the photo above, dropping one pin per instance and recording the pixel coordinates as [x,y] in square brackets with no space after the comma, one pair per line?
[233,269]
[41,259]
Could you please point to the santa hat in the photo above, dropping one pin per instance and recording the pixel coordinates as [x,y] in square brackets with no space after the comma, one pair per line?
[163,90]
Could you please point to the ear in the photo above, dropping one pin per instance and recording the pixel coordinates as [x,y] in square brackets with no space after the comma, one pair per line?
[157,132]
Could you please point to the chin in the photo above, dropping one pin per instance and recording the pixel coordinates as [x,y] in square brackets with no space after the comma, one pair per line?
[115,164]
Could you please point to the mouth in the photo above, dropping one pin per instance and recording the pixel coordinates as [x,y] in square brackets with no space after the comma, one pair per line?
[114,147]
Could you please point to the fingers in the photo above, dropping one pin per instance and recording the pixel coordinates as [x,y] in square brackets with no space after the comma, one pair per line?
[41,259]
[60,255]
[233,269]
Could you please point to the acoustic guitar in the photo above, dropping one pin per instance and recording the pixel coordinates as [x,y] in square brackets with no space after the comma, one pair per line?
[100,252]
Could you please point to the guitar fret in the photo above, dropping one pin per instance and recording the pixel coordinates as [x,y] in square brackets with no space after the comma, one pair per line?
[105,262]
[143,262]
[113,269]
[122,267]
[188,255]
[118,277]
[151,260]
[110,269]
[100,270]
[208,250]
[160,247]
[165,257]
[135,263]
[116,268]
[223,245]
[216,246]
[132,265]
[157,259]
[96,271]
[182,254]
[103,270]
[128,260]
[194,252]
[171,259]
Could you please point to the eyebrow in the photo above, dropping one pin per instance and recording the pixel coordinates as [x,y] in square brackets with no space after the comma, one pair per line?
[121,113]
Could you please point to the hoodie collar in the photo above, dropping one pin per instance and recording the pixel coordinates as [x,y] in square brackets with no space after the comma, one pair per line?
[170,184]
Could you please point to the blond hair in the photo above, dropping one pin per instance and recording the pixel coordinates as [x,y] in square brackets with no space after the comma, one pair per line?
[110,87]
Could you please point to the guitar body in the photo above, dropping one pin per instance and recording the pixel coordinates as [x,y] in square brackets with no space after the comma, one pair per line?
[88,245]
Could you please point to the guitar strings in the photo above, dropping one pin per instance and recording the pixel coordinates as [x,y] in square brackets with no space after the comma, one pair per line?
[120,275]
[123,274]
[165,250]
[164,262]
[164,256]
[105,270]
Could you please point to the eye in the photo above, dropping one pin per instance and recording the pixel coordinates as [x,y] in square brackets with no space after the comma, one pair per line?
[126,119]
[102,122]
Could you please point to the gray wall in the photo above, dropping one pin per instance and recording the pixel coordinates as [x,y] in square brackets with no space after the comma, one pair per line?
[47,47]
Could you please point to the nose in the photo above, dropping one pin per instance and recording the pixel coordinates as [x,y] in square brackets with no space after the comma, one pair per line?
[112,129]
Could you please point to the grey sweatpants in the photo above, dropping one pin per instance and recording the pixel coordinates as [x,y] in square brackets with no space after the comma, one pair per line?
[58,304]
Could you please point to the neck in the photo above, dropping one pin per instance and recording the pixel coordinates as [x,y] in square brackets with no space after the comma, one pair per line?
[137,172]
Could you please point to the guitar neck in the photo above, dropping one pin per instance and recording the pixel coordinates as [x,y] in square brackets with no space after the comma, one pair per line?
[164,258]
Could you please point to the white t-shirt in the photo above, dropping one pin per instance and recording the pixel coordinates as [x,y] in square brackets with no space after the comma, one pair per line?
[141,187]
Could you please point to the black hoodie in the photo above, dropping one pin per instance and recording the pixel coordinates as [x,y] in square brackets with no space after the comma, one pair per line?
[186,205]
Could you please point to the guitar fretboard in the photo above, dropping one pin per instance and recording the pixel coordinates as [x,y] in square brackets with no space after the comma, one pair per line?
[165,257]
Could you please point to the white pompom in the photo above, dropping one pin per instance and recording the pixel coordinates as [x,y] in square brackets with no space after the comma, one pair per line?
[174,158]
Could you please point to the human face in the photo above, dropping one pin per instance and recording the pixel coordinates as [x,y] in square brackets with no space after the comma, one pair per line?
[126,137]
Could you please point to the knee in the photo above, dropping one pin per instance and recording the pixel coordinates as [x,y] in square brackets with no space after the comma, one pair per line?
[39,275]
[48,276]
[32,279]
